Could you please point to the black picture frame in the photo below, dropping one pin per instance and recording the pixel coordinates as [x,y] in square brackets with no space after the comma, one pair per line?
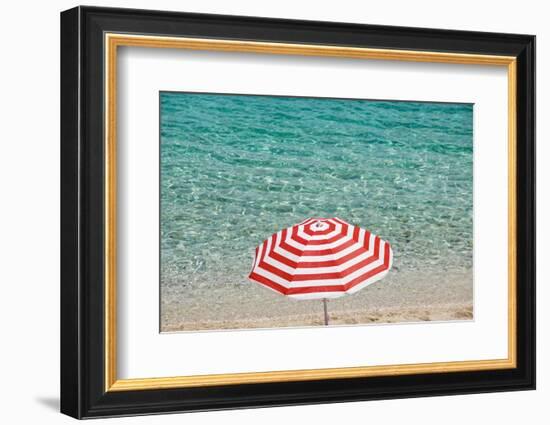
[83,392]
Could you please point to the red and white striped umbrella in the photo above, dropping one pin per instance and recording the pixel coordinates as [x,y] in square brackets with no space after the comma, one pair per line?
[321,258]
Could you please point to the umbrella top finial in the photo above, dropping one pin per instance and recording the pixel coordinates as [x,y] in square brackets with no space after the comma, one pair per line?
[320,224]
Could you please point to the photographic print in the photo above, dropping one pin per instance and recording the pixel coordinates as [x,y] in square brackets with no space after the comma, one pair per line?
[297,211]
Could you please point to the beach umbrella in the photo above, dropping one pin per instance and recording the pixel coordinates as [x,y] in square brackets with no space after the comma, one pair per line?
[321,258]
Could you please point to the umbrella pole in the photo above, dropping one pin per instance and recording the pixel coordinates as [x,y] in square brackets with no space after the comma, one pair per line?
[325,310]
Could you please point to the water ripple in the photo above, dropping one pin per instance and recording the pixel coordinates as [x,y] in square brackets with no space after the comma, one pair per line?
[235,169]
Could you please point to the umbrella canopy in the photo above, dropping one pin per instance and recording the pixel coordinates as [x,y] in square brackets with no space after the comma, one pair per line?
[321,258]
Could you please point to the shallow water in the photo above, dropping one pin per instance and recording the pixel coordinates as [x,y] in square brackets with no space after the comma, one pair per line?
[235,169]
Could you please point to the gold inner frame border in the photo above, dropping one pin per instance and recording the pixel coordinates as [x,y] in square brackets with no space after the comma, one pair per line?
[113,40]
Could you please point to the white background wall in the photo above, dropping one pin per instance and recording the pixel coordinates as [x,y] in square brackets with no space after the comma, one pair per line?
[29,209]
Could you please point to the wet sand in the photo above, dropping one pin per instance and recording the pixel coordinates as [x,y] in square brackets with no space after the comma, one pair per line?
[400,297]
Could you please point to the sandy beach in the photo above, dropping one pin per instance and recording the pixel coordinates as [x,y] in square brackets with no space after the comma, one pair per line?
[401,297]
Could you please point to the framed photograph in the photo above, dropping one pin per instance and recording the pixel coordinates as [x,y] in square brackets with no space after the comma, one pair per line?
[261,212]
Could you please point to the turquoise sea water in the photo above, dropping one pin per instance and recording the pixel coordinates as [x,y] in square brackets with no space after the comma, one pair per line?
[235,169]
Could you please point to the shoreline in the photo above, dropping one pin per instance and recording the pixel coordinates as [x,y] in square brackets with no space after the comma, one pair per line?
[400,297]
